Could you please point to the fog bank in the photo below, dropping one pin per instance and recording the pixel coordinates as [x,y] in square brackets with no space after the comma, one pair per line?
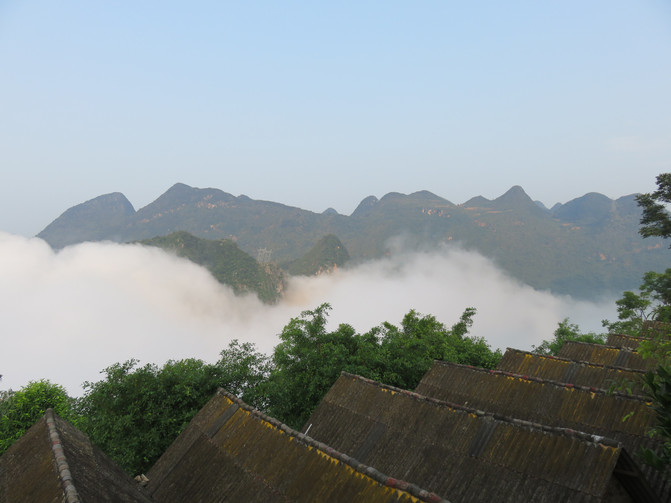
[67,315]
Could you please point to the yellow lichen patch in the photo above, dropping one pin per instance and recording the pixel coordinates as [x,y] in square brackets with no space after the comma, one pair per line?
[374,485]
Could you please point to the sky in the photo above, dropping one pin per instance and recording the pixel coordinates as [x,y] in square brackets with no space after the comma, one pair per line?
[321,104]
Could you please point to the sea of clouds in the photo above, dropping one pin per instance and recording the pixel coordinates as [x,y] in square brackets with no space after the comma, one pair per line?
[66,315]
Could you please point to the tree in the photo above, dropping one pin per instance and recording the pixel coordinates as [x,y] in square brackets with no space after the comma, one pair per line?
[135,413]
[656,219]
[567,331]
[310,358]
[411,349]
[651,303]
[19,410]
[657,385]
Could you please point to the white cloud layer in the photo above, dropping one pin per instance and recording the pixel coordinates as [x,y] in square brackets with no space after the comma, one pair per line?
[67,315]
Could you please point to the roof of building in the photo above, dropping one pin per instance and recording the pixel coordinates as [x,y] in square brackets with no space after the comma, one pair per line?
[617,415]
[232,452]
[605,355]
[624,341]
[656,329]
[467,454]
[55,462]
[569,371]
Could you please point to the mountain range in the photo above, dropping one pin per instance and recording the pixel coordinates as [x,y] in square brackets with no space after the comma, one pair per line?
[587,247]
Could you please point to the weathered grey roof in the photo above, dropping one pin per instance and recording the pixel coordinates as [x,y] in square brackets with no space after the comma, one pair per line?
[623,417]
[624,341]
[570,371]
[465,454]
[605,355]
[656,329]
[231,452]
[53,462]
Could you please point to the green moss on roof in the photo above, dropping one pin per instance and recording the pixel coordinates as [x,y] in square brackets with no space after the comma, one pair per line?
[460,451]
[230,448]
[569,371]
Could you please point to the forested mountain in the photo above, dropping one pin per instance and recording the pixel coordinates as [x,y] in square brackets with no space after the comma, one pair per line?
[586,247]
[328,254]
[227,263]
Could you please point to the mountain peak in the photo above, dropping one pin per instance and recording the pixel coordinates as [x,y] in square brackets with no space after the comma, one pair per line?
[97,218]
[514,192]
[181,194]
[365,206]
[590,209]
[515,197]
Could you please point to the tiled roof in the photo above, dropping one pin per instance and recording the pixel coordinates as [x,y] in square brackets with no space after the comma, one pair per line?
[569,371]
[624,341]
[463,453]
[622,417]
[605,355]
[55,462]
[232,452]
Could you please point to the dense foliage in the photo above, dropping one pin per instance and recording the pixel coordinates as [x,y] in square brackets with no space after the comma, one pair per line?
[19,410]
[648,313]
[567,331]
[310,358]
[656,220]
[652,303]
[135,413]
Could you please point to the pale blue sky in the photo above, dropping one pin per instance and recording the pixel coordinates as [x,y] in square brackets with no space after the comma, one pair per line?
[318,104]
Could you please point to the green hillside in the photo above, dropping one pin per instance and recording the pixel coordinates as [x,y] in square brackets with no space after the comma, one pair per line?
[227,263]
[328,254]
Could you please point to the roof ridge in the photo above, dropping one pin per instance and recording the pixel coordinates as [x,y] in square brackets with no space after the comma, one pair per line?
[599,345]
[591,389]
[64,474]
[581,362]
[365,470]
[627,336]
[568,432]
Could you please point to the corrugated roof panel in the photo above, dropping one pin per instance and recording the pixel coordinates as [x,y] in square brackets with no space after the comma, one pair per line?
[568,371]
[623,341]
[506,456]
[604,355]
[249,457]
[55,462]
[625,418]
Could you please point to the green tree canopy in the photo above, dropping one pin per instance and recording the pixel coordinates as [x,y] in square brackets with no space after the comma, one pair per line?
[19,410]
[567,331]
[651,303]
[135,413]
[656,219]
[310,358]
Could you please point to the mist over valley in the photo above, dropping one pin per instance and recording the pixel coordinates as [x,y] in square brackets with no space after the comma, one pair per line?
[197,268]
[68,314]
